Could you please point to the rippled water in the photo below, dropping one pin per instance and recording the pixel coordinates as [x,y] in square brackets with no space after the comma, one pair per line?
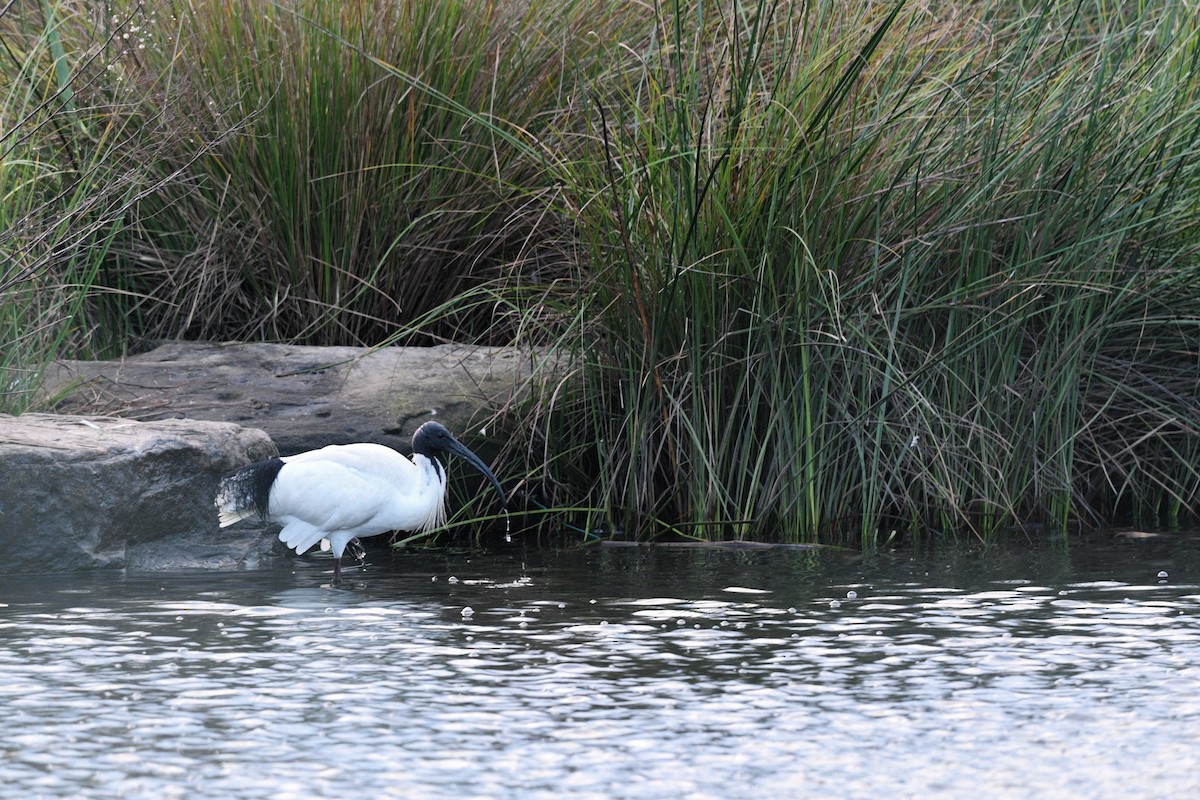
[614,673]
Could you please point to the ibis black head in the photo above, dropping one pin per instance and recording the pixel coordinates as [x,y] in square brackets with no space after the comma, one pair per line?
[433,438]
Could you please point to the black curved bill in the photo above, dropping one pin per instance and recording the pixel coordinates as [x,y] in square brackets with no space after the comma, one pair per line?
[475,461]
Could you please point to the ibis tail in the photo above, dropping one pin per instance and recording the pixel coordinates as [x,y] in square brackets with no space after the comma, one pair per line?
[246,493]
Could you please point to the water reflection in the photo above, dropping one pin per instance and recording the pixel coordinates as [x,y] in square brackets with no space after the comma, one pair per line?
[613,673]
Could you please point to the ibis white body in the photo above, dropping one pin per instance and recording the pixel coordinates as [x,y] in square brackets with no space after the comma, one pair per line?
[343,492]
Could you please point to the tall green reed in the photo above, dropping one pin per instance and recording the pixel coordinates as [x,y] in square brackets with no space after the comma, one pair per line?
[860,267]
[389,159]
[62,200]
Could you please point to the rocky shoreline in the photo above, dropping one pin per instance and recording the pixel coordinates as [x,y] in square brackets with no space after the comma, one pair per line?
[123,474]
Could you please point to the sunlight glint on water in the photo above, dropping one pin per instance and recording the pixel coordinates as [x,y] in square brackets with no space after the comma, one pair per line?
[611,674]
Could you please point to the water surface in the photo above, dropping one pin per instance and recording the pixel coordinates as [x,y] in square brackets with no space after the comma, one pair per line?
[1013,672]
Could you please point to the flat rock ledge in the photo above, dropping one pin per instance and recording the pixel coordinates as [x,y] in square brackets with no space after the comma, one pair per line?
[100,493]
[308,397]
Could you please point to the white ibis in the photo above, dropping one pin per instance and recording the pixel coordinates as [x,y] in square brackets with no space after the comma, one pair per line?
[345,491]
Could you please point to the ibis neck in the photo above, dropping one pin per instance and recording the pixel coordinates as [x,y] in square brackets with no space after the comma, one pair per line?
[431,464]
[435,474]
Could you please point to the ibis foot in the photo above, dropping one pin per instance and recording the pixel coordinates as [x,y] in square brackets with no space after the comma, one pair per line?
[357,550]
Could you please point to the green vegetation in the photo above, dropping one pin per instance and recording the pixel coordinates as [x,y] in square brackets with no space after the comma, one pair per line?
[823,270]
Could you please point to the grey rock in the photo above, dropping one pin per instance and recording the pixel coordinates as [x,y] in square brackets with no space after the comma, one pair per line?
[308,397]
[94,493]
